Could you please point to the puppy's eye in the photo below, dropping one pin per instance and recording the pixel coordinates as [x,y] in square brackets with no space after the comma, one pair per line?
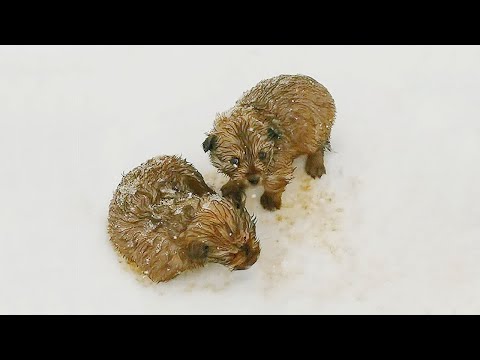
[235,162]
[262,155]
[246,249]
[205,249]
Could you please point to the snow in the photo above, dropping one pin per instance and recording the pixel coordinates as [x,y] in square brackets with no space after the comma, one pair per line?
[394,226]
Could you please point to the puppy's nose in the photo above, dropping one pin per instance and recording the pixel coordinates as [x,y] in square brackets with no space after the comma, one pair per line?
[241,267]
[253,179]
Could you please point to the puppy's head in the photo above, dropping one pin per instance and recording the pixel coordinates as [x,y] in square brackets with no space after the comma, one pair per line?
[224,234]
[241,147]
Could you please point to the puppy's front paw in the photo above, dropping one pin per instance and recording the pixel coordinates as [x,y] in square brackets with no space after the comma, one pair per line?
[315,166]
[236,194]
[271,201]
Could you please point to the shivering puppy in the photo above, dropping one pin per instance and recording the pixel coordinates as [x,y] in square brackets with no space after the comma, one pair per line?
[165,219]
[257,140]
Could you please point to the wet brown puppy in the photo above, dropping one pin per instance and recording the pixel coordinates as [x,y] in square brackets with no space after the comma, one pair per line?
[164,219]
[273,123]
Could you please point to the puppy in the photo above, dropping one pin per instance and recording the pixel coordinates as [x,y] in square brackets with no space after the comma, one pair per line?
[257,140]
[165,219]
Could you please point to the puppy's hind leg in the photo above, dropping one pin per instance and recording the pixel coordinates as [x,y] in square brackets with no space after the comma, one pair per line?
[315,166]
[197,185]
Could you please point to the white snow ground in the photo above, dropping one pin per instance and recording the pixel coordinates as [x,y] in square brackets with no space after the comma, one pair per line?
[394,226]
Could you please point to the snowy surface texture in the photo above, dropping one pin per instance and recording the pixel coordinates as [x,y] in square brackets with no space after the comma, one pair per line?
[394,226]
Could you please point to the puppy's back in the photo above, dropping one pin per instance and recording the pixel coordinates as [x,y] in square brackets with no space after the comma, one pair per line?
[301,105]
[284,92]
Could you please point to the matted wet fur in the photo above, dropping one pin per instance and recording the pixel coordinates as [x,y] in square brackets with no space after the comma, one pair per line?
[273,123]
[164,219]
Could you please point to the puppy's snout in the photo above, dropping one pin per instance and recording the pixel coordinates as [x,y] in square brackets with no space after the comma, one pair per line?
[253,179]
[246,258]
[242,267]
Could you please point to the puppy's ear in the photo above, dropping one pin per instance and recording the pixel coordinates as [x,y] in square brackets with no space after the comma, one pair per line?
[210,143]
[198,250]
[273,134]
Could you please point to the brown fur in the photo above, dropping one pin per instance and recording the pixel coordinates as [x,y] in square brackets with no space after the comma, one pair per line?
[164,219]
[280,118]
